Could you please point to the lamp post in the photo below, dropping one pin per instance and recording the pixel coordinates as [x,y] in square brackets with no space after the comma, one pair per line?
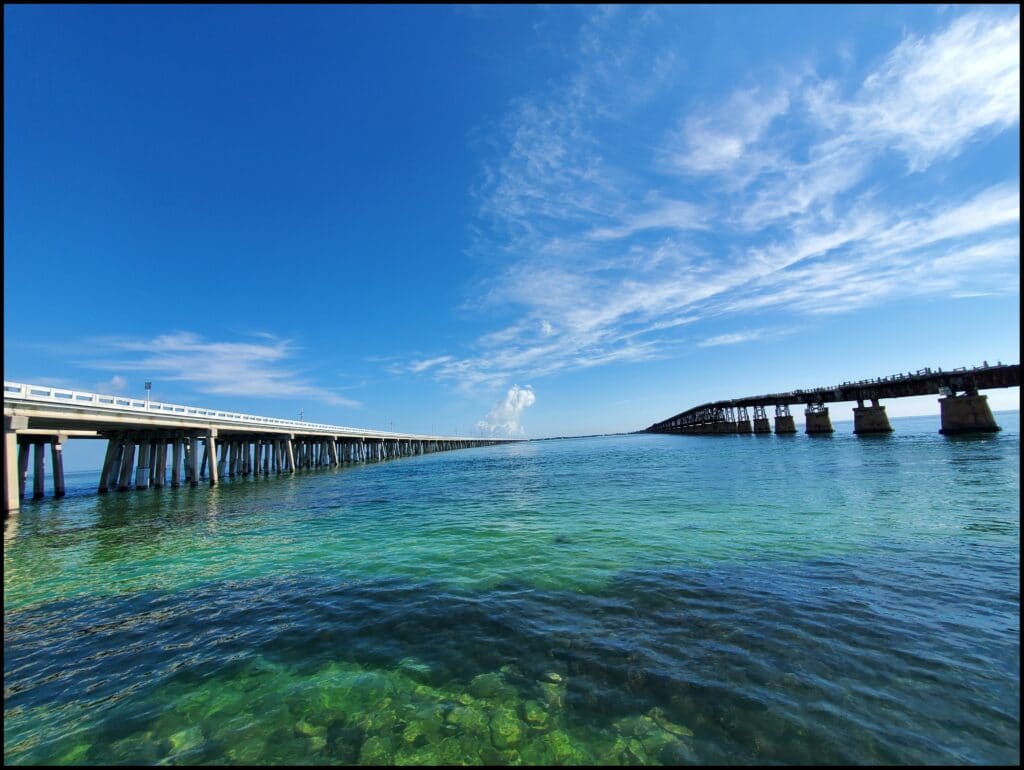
[149,386]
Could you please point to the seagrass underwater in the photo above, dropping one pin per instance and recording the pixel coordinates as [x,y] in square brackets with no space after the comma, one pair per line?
[636,599]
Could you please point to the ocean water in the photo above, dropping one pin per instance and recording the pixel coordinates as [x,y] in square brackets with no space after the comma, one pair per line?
[618,600]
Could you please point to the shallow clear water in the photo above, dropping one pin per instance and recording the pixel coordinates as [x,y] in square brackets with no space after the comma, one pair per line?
[631,599]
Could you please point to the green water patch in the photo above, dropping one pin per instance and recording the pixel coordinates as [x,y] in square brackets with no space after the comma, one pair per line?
[737,665]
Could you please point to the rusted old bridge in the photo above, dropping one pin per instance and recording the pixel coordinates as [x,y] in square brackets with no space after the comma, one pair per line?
[205,444]
[967,412]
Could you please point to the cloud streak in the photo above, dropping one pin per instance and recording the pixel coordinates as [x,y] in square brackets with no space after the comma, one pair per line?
[780,196]
[221,368]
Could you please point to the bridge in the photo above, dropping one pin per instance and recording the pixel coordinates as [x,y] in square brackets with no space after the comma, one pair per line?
[204,444]
[965,413]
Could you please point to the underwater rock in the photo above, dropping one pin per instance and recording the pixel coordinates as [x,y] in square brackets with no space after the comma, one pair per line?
[506,729]
[416,670]
[534,714]
[183,740]
[376,751]
[141,748]
[678,753]
[552,676]
[378,720]
[344,742]
[306,730]
[413,734]
[317,743]
[492,756]
[635,749]
[663,722]
[554,694]
[470,720]
[489,685]
[76,755]
[561,748]
[511,671]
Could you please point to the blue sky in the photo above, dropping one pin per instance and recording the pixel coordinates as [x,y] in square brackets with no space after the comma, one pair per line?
[509,220]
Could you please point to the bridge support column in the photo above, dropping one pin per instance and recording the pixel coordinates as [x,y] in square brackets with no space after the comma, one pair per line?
[193,461]
[742,420]
[290,454]
[142,473]
[57,457]
[761,423]
[817,419]
[784,420]
[969,413]
[211,453]
[161,464]
[39,470]
[124,482]
[176,450]
[110,461]
[870,419]
[13,481]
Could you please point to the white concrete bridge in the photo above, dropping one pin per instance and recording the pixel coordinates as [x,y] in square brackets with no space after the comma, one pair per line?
[205,444]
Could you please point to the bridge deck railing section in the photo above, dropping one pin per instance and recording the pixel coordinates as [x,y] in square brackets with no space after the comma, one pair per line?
[42,394]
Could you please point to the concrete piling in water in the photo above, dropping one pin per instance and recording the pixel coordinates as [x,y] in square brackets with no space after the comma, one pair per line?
[817,420]
[57,456]
[761,423]
[14,478]
[142,473]
[784,420]
[743,420]
[124,482]
[870,419]
[969,413]
[176,450]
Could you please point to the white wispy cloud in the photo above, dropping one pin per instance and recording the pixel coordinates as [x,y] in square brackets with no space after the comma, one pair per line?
[730,339]
[933,95]
[223,368]
[779,195]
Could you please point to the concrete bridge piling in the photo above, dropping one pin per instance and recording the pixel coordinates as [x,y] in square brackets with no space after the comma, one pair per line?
[968,413]
[870,419]
[965,413]
[784,423]
[816,419]
[199,445]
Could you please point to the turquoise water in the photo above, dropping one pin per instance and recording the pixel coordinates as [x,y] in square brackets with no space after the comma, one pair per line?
[619,600]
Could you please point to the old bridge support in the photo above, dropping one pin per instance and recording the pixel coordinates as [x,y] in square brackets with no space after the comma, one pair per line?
[965,413]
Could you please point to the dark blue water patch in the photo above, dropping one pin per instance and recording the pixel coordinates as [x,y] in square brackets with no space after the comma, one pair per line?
[833,661]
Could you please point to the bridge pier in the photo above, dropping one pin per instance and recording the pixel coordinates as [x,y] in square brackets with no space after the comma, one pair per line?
[57,455]
[142,473]
[969,413]
[870,419]
[817,419]
[742,420]
[784,420]
[761,424]
[14,480]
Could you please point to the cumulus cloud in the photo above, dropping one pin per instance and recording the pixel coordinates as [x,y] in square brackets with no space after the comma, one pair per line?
[503,419]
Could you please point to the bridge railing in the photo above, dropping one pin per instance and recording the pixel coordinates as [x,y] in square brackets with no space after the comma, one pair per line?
[42,394]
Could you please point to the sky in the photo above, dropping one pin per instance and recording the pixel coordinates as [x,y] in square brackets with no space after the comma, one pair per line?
[511,221]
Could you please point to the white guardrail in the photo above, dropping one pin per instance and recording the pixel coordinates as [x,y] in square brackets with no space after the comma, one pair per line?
[17,391]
